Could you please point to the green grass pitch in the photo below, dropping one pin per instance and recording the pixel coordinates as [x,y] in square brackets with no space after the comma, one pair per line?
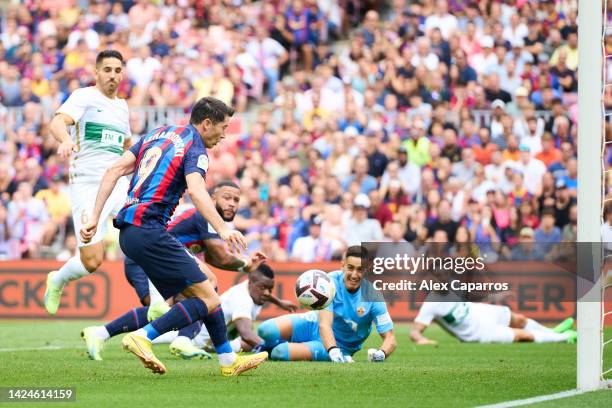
[453,374]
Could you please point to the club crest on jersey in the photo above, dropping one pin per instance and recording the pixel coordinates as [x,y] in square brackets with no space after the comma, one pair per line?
[203,162]
[360,311]
[195,249]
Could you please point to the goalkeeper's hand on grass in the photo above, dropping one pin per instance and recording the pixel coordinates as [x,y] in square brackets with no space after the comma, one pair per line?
[336,355]
[376,356]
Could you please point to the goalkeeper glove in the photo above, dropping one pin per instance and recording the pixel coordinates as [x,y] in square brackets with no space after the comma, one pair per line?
[336,355]
[376,356]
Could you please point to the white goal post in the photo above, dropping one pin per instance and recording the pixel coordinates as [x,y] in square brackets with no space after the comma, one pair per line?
[591,31]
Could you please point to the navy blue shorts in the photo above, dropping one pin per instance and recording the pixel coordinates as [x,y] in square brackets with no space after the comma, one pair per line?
[137,278]
[167,263]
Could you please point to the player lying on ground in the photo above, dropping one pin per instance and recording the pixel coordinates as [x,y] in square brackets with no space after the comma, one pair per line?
[337,332]
[241,305]
[99,124]
[484,323]
[476,321]
[167,161]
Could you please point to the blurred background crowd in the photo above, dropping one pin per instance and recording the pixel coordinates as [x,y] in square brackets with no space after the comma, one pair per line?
[358,120]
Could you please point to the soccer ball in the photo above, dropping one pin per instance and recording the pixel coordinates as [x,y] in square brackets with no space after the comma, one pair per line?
[314,289]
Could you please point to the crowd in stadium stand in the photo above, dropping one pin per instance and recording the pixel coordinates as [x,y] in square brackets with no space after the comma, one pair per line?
[373,120]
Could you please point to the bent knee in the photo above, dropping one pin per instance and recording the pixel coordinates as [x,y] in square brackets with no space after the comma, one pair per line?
[268,331]
[280,352]
[212,302]
[91,263]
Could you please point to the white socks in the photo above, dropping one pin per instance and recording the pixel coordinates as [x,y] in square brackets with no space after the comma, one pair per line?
[72,270]
[543,334]
[102,333]
[168,337]
[549,336]
[226,359]
[236,345]
[532,325]
[154,294]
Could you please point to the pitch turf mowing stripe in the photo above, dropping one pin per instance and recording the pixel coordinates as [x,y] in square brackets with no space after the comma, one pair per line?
[534,400]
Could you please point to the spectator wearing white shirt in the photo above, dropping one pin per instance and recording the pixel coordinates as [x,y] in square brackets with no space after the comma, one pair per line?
[485,61]
[408,173]
[142,67]
[516,30]
[359,227]
[119,18]
[532,169]
[495,170]
[313,247]
[442,19]
[424,56]
[532,134]
[28,220]
[270,55]
[465,169]
[86,33]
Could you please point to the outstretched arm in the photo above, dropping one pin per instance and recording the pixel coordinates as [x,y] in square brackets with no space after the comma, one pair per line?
[218,256]
[389,343]
[326,319]
[284,304]
[387,347]
[416,335]
[248,336]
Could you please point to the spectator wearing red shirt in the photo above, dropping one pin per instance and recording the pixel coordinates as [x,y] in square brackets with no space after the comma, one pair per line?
[484,149]
[549,154]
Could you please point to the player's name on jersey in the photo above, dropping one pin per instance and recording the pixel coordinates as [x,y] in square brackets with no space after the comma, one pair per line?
[405,285]
[176,140]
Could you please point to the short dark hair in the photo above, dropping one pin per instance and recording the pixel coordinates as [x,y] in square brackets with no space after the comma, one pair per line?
[356,251]
[265,270]
[210,108]
[225,183]
[109,54]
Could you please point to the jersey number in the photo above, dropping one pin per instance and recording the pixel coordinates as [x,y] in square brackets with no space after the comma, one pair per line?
[147,165]
[84,217]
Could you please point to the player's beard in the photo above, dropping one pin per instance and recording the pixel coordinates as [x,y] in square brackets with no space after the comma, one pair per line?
[111,87]
[222,214]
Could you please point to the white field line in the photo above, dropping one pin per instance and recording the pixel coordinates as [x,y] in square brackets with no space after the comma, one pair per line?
[534,400]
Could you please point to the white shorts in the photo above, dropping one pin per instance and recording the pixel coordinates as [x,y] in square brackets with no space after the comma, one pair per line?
[495,323]
[83,200]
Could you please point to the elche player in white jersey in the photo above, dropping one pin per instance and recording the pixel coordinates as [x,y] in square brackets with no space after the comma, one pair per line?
[91,127]
[476,321]
[241,305]
[484,323]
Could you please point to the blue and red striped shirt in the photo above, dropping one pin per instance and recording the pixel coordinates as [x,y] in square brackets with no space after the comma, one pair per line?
[164,157]
[192,230]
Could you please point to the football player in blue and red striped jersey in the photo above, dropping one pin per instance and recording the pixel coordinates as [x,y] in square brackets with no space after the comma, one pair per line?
[165,162]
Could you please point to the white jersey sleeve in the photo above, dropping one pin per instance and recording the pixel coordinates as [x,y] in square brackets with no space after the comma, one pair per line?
[238,304]
[75,105]
[427,313]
